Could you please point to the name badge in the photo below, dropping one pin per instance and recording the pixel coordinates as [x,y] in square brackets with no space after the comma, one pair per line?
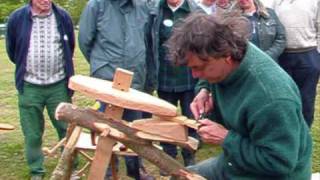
[65,37]
[168,22]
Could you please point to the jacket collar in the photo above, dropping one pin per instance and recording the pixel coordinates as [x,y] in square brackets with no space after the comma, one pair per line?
[29,9]
[185,6]
[261,9]
[125,2]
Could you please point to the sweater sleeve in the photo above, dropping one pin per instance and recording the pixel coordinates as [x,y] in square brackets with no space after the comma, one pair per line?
[272,145]
[202,83]
[88,28]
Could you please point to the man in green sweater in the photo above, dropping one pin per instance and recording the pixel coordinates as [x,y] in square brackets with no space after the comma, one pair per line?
[255,108]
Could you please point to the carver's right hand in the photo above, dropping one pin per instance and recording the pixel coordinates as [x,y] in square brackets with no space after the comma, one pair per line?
[202,103]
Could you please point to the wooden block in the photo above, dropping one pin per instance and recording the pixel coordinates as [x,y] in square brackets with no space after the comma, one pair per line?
[181,120]
[6,127]
[133,99]
[122,80]
[172,130]
[114,112]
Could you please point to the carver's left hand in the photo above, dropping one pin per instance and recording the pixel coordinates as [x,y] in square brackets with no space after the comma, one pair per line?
[212,132]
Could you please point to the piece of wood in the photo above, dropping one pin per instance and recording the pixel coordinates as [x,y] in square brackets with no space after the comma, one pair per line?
[172,130]
[117,129]
[85,144]
[133,99]
[89,119]
[80,173]
[6,127]
[181,120]
[114,112]
[64,168]
[114,167]
[122,80]
[51,152]
[101,158]
[85,155]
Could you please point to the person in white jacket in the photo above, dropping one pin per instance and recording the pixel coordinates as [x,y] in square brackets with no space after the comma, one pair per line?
[301,59]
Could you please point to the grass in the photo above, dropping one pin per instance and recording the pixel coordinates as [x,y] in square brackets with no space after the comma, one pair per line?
[12,163]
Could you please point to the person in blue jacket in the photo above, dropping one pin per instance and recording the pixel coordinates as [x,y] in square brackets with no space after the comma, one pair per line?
[40,42]
[267,32]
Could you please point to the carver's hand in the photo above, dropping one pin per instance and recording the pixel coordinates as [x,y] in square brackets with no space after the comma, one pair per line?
[202,103]
[212,132]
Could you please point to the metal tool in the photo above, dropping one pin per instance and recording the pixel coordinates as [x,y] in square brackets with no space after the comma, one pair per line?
[202,116]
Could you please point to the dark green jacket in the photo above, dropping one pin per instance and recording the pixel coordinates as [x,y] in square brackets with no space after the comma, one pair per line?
[112,35]
[154,42]
[260,106]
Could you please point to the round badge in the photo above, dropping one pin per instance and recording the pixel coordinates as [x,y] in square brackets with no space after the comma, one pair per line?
[168,22]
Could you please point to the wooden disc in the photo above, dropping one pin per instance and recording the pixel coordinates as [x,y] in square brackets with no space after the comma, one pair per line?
[133,99]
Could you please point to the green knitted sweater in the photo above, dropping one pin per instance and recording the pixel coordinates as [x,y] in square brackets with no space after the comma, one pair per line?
[260,105]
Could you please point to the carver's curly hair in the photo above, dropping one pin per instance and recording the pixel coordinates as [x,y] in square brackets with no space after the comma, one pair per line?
[207,35]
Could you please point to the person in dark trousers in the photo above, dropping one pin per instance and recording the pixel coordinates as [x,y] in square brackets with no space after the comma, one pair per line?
[301,59]
[112,34]
[40,42]
[256,111]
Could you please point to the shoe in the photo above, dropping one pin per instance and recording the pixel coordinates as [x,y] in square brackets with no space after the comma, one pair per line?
[36,177]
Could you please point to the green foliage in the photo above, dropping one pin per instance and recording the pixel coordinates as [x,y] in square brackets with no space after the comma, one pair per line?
[74,7]
[7,6]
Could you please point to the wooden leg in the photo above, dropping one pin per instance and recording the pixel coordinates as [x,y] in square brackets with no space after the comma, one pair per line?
[101,158]
[114,167]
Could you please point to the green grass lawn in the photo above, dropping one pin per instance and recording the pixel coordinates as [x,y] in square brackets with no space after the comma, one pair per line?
[12,162]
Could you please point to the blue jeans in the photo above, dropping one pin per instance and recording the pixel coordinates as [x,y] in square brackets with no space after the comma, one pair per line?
[133,163]
[185,98]
[210,169]
[304,68]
